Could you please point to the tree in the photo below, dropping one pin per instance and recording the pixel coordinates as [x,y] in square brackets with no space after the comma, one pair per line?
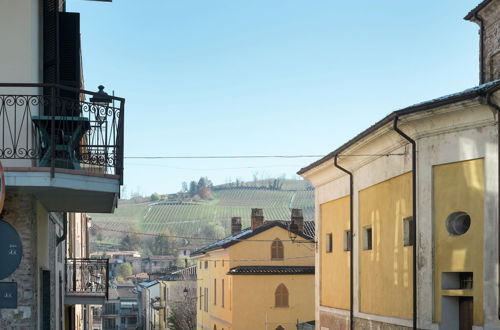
[162,245]
[192,188]
[182,315]
[125,270]
[155,197]
[130,242]
[184,186]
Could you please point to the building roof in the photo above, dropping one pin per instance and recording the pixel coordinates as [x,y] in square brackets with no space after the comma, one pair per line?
[476,9]
[248,232]
[271,270]
[122,292]
[470,93]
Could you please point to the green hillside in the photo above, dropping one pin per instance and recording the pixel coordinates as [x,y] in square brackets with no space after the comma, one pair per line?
[191,218]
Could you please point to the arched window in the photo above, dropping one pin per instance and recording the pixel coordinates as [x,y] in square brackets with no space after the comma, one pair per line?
[277,250]
[281,296]
[280,328]
[215,327]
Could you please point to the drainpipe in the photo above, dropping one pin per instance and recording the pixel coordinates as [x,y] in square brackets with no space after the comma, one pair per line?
[481,47]
[65,229]
[414,225]
[351,255]
[497,108]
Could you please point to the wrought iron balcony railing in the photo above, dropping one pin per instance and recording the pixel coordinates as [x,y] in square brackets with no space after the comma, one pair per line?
[59,127]
[87,277]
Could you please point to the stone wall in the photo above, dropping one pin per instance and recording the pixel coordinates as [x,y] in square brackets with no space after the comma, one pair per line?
[19,211]
[333,321]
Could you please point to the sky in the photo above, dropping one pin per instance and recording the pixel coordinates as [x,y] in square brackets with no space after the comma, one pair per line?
[265,77]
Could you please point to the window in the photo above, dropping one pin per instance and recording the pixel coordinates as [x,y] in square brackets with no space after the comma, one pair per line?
[458,223]
[206,264]
[222,262]
[215,263]
[277,250]
[328,242]
[206,299]
[347,240]
[281,296]
[367,238]
[215,291]
[222,302]
[280,328]
[408,231]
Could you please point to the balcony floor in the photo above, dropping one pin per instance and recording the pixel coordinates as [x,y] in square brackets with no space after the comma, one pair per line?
[68,191]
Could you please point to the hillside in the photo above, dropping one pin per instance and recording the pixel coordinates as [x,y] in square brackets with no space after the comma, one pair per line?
[199,218]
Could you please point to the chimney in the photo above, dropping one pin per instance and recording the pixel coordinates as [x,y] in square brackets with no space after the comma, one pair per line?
[257,218]
[235,225]
[298,219]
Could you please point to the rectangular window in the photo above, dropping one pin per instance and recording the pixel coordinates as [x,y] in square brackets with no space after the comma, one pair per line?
[206,264]
[347,240]
[408,231]
[222,262]
[367,238]
[215,263]
[215,291]
[328,242]
[206,299]
[222,302]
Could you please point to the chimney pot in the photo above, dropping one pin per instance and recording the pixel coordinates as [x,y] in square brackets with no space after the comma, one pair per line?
[257,218]
[235,225]
[298,219]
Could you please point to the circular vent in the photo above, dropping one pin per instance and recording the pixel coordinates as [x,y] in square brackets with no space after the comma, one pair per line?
[458,223]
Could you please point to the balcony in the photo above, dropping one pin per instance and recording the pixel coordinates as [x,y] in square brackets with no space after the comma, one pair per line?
[60,146]
[86,281]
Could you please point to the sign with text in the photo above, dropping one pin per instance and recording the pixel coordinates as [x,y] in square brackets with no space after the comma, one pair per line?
[8,295]
[11,251]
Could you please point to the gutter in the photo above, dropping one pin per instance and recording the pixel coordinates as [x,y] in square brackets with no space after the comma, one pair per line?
[414,222]
[497,108]
[351,254]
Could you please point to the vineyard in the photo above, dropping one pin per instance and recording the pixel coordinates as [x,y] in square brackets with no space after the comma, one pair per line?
[186,218]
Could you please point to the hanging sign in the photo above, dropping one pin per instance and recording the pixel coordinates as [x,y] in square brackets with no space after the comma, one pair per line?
[11,251]
[8,295]
[2,187]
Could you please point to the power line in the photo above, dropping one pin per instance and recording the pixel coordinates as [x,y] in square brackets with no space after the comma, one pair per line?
[261,156]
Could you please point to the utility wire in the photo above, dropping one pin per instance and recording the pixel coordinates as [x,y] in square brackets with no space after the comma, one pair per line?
[259,156]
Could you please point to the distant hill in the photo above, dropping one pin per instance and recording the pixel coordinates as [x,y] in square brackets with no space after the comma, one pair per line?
[234,199]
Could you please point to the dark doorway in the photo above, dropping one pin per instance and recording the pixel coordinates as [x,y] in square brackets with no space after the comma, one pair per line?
[465,307]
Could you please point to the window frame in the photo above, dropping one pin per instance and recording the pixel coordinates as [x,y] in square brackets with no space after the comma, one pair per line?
[281,296]
[277,250]
[329,243]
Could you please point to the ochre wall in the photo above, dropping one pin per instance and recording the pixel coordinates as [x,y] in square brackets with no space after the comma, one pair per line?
[459,187]
[334,276]
[385,273]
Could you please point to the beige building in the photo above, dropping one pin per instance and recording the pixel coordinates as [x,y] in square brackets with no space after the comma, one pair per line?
[409,234]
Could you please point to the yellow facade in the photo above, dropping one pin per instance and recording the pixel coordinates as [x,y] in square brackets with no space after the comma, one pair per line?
[249,299]
[459,187]
[334,265]
[385,270]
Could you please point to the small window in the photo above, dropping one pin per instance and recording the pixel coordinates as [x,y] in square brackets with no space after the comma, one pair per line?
[277,250]
[408,231]
[222,296]
[201,295]
[280,328]
[328,242]
[215,291]
[222,262]
[367,238]
[206,264]
[215,263]
[458,223]
[347,240]
[281,296]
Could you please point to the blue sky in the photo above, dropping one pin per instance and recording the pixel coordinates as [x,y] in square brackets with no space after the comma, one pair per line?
[273,77]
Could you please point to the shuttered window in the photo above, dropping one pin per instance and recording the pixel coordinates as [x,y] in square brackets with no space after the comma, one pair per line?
[277,250]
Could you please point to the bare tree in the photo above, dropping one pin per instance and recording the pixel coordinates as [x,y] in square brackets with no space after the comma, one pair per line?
[182,315]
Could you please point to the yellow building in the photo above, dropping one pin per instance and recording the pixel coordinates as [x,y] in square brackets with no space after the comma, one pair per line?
[257,278]
[409,232]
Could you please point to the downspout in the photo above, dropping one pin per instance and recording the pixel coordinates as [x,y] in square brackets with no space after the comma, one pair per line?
[497,108]
[351,255]
[414,223]
[481,47]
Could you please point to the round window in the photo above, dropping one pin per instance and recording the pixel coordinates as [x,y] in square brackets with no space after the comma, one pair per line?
[458,223]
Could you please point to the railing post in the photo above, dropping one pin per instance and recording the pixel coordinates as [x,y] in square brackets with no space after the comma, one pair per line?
[121,124]
[52,130]
[74,275]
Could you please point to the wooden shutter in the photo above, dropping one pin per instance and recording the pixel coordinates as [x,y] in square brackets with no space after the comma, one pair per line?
[46,300]
[69,57]
[50,45]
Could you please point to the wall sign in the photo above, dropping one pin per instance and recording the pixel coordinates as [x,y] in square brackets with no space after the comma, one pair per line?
[11,250]
[8,295]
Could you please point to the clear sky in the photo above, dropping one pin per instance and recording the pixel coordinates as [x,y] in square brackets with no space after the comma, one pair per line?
[265,77]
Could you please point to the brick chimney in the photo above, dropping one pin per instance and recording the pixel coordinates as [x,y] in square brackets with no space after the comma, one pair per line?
[257,218]
[298,219]
[486,16]
[235,225]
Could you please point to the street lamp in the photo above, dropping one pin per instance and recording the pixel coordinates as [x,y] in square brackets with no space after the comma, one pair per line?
[185,291]
[101,98]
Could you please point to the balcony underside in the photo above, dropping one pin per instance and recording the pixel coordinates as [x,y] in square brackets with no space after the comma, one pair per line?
[68,190]
[84,299]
